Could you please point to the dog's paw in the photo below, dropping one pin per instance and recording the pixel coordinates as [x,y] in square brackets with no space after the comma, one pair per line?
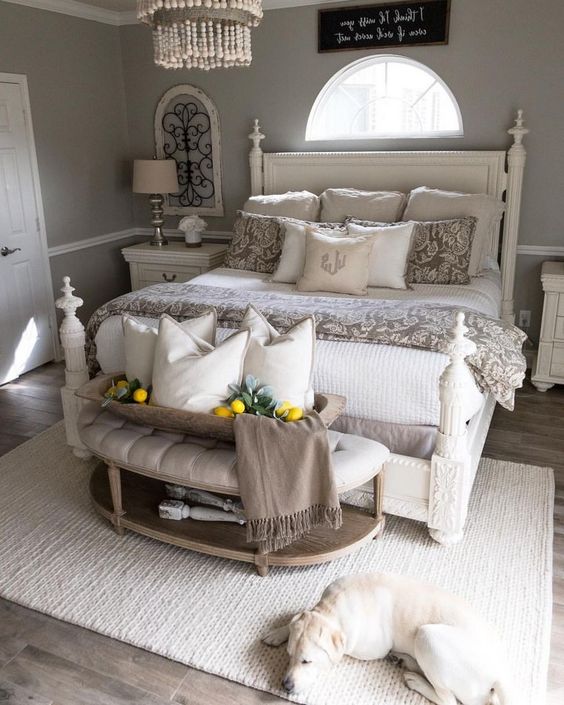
[277,636]
[412,680]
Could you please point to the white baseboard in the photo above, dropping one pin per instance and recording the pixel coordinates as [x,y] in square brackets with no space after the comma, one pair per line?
[57,250]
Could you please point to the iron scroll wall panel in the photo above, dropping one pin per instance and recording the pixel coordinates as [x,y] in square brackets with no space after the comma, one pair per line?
[187,130]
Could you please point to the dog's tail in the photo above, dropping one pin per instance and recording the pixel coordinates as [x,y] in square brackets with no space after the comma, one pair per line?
[500,694]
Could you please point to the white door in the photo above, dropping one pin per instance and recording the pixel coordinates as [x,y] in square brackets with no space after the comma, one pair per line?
[25,289]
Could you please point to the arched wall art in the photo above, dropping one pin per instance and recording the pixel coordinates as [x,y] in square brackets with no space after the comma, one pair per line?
[187,130]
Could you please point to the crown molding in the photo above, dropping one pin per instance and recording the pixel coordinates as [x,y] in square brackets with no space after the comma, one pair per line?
[129,17]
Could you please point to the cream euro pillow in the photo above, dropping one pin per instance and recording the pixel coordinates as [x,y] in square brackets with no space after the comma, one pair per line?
[302,205]
[282,361]
[335,264]
[291,264]
[140,341]
[383,206]
[427,204]
[389,257]
[192,375]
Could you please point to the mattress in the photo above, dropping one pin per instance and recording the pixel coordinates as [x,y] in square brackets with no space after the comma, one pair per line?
[382,383]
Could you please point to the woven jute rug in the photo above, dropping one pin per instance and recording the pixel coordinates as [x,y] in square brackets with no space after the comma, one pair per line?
[59,557]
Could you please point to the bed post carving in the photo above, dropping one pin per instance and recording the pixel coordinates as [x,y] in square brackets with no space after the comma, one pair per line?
[450,464]
[255,160]
[76,370]
[516,158]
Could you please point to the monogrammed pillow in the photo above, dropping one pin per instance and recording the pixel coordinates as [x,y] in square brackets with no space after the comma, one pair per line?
[441,252]
[335,264]
[291,264]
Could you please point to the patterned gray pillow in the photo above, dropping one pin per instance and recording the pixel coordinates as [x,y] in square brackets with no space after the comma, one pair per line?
[441,250]
[257,241]
[256,244]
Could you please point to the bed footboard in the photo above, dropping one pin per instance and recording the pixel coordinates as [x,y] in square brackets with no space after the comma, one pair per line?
[73,339]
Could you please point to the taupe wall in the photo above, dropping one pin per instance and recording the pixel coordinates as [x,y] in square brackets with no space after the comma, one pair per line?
[73,68]
[501,55]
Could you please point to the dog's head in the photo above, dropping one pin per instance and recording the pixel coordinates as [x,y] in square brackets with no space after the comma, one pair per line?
[314,644]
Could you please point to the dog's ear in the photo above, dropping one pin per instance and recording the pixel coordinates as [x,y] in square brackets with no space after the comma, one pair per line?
[336,649]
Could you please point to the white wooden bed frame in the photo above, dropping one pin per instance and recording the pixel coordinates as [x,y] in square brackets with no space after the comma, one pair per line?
[433,491]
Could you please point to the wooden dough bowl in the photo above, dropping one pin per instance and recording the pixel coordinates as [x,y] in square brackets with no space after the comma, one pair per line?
[328,406]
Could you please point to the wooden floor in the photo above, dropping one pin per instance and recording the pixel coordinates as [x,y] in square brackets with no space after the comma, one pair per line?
[45,661]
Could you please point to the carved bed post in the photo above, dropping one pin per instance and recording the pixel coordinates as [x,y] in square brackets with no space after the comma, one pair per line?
[516,158]
[76,371]
[255,160]
[450,464]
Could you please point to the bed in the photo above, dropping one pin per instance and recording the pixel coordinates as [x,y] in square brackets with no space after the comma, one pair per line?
[421,403]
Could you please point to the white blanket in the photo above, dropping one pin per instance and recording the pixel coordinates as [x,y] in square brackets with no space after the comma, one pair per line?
[381,382]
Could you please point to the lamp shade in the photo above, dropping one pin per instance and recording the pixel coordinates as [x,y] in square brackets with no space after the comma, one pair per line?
[155,176]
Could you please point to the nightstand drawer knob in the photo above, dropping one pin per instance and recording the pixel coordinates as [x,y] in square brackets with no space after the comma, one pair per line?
[169,279]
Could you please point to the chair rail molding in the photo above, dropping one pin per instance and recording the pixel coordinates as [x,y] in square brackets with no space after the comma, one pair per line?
[67,248]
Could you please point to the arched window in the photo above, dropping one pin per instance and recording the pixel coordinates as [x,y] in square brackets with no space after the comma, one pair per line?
[384,96]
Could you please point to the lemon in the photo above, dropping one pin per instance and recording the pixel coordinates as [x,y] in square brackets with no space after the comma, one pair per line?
[294,414]
[140,395]
[224,411]
[112,391]
[285,406]
[122,384]
[237,406]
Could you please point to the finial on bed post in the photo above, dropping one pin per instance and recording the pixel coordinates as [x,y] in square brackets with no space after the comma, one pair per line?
[73,338]
[516,158]
[450,461]
[255,159]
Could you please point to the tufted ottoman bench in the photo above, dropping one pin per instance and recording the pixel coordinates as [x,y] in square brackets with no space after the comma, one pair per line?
[151,457]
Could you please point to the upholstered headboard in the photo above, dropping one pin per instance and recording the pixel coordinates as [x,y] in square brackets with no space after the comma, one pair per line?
[481,171]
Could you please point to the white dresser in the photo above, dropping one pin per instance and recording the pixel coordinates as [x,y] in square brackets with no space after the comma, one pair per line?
[171,263]
[549,366]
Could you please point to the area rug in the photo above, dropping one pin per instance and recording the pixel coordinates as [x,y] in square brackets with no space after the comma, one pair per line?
[59,557]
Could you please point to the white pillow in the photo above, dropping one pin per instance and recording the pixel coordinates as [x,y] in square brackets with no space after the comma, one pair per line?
[302,205]
[291,265]
[384,206]
[337,264]
[427,204]
[283,361]
[140,341]
[391,246]
[192,375]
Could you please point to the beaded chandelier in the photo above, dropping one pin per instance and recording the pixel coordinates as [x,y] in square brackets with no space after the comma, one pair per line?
[203,34]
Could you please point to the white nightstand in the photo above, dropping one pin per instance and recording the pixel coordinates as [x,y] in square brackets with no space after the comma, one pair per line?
[171,263]
[549,366]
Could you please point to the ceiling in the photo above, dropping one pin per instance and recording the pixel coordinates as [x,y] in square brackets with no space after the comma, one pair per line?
[116,5]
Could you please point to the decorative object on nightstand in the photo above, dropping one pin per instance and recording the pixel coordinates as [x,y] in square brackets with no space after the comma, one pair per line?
[192,226]
[174,263]
[549,366]
[155,177]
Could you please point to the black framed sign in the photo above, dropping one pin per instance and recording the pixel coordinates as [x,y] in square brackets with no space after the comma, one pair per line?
[386,25]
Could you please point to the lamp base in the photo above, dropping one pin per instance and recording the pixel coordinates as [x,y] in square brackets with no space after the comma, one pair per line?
[157,220]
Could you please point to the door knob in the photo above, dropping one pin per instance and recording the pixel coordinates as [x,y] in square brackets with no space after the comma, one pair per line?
[5,251]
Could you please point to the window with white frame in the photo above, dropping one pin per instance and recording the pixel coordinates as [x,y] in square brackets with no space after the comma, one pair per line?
[384,96]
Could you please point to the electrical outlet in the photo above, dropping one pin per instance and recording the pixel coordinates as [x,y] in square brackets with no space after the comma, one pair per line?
[524,319]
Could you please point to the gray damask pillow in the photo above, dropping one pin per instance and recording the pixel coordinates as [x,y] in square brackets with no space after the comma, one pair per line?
[257,241]
[441,250]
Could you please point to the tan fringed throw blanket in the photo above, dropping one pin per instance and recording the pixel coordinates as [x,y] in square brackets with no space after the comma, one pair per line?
[285,478]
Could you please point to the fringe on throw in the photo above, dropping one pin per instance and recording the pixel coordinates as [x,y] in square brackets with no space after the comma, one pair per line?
[277,532]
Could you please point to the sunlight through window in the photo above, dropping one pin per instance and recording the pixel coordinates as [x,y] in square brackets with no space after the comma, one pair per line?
[24,349]
[384,97]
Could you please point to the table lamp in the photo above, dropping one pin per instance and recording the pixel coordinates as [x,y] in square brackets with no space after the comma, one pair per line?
[155,177]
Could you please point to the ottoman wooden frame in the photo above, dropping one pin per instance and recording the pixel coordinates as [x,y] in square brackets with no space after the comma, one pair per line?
[127,500]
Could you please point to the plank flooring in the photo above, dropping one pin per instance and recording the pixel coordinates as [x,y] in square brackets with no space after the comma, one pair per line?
[47,662]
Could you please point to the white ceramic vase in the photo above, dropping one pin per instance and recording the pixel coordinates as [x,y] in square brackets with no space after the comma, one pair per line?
[193,238]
